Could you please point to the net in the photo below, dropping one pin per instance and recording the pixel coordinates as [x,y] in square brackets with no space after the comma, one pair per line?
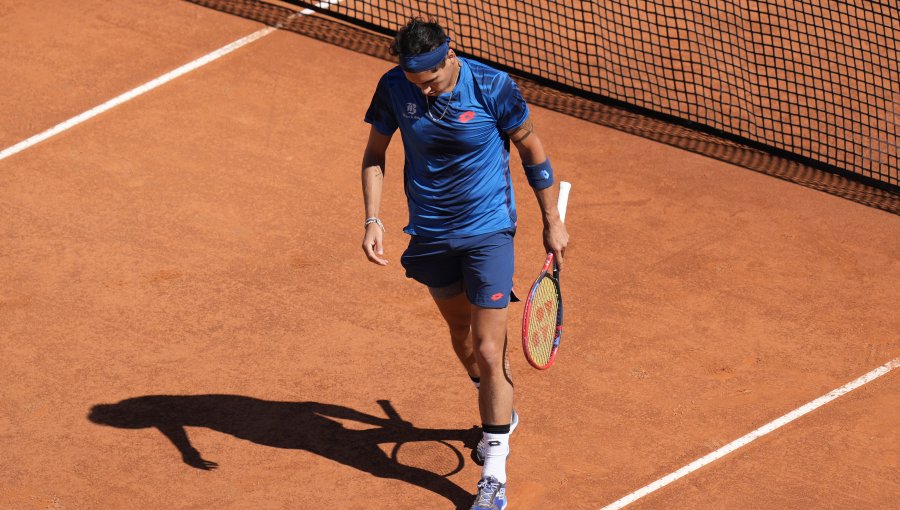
[813,81]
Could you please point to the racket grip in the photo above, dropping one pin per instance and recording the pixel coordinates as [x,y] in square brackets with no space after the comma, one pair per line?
[562,204]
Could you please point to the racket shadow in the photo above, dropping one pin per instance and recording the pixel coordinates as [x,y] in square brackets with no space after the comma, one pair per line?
[309,426]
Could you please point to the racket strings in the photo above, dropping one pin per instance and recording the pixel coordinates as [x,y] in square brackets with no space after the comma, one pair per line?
[542,321]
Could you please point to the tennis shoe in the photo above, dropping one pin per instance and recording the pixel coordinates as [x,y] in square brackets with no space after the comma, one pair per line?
[491,495]
[478,452]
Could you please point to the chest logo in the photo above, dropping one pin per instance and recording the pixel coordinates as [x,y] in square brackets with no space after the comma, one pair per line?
[411,111]
[466,116]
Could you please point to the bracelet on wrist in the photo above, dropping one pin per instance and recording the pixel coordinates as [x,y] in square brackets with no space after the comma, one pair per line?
[374,220]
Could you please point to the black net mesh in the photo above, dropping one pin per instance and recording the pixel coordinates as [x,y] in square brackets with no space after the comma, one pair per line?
[814,81]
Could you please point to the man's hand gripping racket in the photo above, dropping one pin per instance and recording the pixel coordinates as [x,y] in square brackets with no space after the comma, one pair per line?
[542,319]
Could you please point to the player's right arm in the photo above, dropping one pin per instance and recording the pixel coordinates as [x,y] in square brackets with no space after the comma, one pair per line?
[373,166]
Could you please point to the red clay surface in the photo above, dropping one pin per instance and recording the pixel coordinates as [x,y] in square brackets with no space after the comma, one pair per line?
[189,262]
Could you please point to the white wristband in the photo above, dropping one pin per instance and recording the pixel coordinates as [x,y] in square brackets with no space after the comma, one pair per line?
[376,221]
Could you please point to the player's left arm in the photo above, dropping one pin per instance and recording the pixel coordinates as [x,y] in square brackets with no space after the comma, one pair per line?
[540,177]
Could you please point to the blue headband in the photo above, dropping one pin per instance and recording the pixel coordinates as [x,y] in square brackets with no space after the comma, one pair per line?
[425,61]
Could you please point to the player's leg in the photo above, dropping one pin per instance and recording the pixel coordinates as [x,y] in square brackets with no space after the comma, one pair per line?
[436,264]
[487,272]
[487,266]
[456,310]
[489,334]
[495,401]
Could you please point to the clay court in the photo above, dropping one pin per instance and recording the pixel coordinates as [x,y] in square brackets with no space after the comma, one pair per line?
[187,319]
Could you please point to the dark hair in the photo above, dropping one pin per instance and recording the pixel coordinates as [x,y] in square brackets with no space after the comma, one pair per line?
[418,36]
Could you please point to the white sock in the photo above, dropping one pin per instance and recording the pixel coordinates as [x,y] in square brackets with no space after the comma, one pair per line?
[495,452]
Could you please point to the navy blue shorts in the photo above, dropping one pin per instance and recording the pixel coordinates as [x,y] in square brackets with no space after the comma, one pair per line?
[483,264]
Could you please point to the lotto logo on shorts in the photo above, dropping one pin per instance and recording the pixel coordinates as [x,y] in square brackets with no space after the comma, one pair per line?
[497,297]
[466,117]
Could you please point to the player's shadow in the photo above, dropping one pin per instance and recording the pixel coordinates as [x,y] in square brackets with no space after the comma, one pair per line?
[310,426]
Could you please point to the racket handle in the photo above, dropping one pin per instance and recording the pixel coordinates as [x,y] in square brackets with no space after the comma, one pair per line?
[564,188]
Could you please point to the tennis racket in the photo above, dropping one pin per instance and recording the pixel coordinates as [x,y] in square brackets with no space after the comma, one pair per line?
[543,317]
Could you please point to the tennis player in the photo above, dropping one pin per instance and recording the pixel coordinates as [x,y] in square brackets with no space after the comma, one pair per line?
[457,118]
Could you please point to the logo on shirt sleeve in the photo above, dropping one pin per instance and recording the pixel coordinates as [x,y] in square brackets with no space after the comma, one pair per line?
[466,116]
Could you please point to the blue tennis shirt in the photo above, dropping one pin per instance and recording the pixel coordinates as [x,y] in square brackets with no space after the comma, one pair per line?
[456,173]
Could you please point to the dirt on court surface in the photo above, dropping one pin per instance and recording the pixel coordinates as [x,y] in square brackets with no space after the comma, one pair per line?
[187,320]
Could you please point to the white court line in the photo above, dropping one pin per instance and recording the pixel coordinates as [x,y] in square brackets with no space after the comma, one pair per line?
[756,434]
[150,85]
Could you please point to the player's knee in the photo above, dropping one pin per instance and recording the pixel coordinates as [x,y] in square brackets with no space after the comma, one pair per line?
[490,354]
[459,331]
